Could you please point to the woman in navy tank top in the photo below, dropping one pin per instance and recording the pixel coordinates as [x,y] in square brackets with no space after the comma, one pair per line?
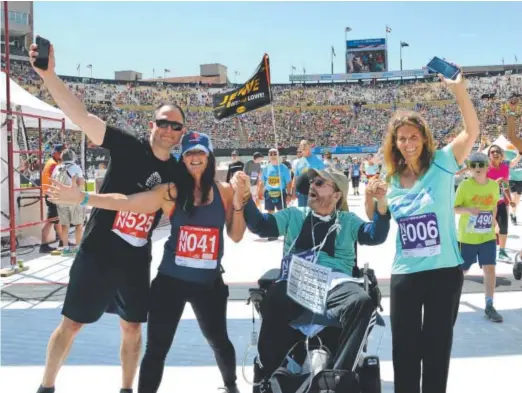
[190,271]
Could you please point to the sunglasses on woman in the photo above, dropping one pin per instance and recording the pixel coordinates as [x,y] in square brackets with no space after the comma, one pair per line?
[164,123]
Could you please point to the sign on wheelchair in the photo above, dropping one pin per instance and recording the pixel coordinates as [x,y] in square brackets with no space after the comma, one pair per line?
[308,284]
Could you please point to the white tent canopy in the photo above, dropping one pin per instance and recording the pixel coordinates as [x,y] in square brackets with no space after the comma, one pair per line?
[31,105]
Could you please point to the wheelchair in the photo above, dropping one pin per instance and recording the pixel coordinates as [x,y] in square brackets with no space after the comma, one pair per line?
[365,375]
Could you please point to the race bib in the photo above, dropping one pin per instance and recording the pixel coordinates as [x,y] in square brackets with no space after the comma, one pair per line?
[419,235]
[286,261]
[197,247]
[273,181]
[132,227]
[308,284]
[254,175]
[483,222]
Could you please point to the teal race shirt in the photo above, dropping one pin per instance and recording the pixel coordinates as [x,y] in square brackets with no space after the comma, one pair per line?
[426,235]
[515,173]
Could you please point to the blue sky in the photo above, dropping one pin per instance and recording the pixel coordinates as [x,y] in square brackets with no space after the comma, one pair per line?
[180,36]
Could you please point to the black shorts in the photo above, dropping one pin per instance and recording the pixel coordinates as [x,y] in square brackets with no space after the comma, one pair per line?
[52,210]
[502,219]
[101,283]
[515,186]
[355,181]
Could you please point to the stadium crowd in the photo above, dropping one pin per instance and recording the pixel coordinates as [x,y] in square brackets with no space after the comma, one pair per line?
[327,115]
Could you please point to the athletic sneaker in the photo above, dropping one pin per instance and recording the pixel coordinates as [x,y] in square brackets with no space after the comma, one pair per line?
[46,249]
[492,314]
[68,251]
[513,219]
[503,256]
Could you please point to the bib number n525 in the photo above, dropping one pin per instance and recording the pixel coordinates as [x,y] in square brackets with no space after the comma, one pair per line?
[132,227]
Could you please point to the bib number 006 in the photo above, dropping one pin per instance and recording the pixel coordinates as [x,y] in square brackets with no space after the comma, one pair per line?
[419,231]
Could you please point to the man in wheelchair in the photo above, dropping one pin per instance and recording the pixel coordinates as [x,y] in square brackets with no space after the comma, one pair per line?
[316,286]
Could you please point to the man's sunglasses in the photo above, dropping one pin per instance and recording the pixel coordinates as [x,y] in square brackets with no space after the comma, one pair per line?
[475,165]
[319,182]
[163,123]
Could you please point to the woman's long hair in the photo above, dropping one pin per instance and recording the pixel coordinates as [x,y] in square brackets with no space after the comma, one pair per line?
[185,185]
[393,158]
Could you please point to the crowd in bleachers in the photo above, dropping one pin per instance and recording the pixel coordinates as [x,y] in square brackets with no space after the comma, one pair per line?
[326,114]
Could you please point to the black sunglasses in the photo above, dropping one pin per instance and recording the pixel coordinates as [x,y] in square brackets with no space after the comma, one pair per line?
[319,182]
[164,123]
[495,152]
[474,165]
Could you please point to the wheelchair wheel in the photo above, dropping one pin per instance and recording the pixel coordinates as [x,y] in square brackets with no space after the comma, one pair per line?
[370,375]
[517,270]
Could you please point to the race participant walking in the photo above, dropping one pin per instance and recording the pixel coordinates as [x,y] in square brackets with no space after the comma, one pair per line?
[499,171]
[370,168]
[476,202]
[355,174]
[513,115]
[515,184]
[275,183]
[111,271]
[235,166]
[324,232]
[52,210]
[426,279]
[70,215]
[306,162]
[190,271]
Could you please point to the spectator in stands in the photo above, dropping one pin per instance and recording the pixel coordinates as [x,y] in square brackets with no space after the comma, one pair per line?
[52,211]
[66,172]
[235,166]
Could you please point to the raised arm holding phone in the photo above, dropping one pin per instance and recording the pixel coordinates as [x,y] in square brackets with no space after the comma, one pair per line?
[115,253]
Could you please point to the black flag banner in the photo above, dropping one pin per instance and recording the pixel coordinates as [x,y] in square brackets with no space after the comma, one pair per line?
[254,94]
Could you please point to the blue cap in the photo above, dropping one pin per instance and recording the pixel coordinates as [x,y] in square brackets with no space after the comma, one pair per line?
[57,148]
[194,140]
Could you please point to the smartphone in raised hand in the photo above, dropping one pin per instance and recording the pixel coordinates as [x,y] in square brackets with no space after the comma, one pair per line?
[44,50]
[439,66]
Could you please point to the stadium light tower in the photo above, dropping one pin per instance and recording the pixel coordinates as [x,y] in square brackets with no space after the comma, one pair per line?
[403,44]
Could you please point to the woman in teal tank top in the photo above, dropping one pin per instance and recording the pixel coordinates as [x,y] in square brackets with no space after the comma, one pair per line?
[427,279]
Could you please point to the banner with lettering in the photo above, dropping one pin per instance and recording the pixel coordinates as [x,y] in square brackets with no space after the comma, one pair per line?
[254,94]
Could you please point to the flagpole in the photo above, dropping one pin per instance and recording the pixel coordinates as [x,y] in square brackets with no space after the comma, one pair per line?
[332,56]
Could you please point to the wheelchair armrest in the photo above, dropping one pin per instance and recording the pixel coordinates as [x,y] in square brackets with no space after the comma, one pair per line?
[269,278]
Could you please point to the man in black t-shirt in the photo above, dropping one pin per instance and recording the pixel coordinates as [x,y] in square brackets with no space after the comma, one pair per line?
[111,271]
[235,166]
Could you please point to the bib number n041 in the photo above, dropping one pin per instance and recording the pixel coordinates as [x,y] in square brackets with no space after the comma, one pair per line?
[197,247]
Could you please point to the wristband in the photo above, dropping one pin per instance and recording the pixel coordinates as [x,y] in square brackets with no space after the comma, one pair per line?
[85,199]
